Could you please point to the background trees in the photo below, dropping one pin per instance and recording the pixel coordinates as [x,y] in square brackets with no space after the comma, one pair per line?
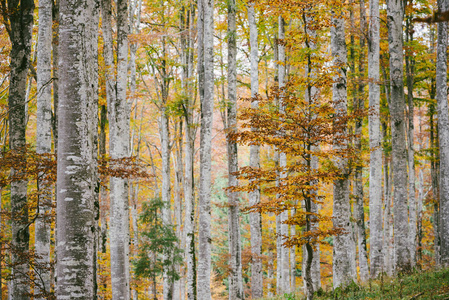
[136,114]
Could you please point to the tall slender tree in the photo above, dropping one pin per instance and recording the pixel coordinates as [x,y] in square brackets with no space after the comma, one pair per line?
[375,177]
[283,264]
[189,200]
[410,78]
[443,135]
[312,93]
[19,29]
[116,83]
[399,150]
[206,78]
[43,140]
[359,105]
[254,158]
[342,269]
[236,279]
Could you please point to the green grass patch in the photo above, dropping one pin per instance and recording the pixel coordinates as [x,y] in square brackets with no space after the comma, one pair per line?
[432,285]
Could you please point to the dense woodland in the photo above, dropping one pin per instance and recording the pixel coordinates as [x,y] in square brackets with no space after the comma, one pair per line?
[227,149]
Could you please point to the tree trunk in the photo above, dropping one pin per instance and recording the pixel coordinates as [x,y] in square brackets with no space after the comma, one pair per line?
[235,277]
[410,72]
[375,177]
[386,258]
[443,136]
[189,232]
[254,161]
[342,270]
[179,172]
[118,145]
[358,183]
[435,186]
[77,151]
[399,149]
[21,23]
[43,142]
[166,197]
[206,9]
[419,208]
[312,275]
[283,216]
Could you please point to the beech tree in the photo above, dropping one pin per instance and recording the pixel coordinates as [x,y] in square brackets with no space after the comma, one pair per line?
[206,91]
[375,191]
[443,134]
[77,134]
[342,271]
[19,26]
[283,283]
[43,139]
[399,153]
[235,278]
[118,111]
[254,158]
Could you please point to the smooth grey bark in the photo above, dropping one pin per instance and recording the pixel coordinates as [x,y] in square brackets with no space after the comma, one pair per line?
[116,81]
[206,10]
[21,23]
[342,270]
[358,182]
[235,278]
[419,215]
[375,177]
[134,192]
[178,292]
[410,75]
[164,134]
[399,148]
[283,264]
[443,136]
[77,153]
[292,255]
[254,162]
[43,143]
[134,20]
[189,200]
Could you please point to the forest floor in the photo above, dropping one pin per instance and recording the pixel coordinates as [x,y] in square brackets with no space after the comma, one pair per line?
[431,285]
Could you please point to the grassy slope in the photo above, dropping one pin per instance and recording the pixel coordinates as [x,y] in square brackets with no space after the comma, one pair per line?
[420,286]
